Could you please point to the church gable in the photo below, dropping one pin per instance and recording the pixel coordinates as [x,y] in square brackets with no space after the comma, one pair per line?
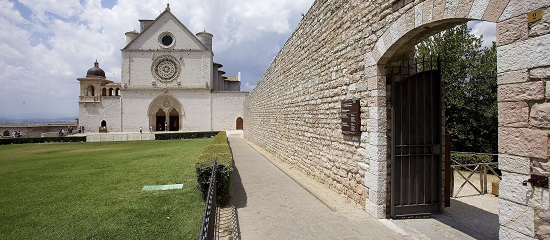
[165,32]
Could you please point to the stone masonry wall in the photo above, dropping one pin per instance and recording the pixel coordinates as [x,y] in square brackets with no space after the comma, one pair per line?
[340,50]
[524,124]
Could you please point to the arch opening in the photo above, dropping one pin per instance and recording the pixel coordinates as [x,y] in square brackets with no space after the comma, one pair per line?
[393,63]
[166,113]
[90,91]
[239,123]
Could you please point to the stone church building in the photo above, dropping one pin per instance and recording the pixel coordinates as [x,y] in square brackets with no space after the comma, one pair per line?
[169,82]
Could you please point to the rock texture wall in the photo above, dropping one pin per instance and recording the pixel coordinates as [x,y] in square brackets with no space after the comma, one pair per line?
[340,50]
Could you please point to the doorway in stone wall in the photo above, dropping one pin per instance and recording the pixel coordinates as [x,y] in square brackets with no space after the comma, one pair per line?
[160,120]
[417,154]
[174,120]
[239,123]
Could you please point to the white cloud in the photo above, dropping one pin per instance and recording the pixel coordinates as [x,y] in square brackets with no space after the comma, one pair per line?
[47,44]
[486,29]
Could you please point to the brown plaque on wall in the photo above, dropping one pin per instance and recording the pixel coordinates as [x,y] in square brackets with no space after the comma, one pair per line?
[351,117]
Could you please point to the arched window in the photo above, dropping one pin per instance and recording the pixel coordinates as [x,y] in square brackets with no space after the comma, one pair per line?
[90,91]
[103,123]
[104,92]
[6,133]
[117,92]
[110,91]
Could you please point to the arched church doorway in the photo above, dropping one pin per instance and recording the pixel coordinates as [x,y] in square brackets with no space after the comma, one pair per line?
[160,120]
[6,133]
[174,120]
[166,113]
[239,123]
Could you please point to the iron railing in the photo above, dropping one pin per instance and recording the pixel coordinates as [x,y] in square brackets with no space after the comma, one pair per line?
[209,216]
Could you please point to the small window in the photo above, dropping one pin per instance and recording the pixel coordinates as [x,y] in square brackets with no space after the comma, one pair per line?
[166,40]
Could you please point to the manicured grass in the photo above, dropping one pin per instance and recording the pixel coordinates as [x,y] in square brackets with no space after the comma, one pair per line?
[93,190]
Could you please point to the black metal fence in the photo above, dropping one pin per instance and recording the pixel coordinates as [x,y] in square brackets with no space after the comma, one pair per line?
[209,216]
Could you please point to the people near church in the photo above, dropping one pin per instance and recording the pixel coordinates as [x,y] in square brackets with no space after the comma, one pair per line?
[150,128]
[140,130]
[165,126]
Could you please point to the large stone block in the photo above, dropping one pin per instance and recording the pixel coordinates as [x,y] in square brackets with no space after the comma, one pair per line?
[513,114]
[541,27]
[375,182]
[375,210]
[540,115]
[512,77]
[521,91]
[505,233]
[514,164]
[512,30]
[478,8]
[494,10]
[464,8]
[518,217]
[512,189]
[523,142]
[542,73]
[521,7]
[438,10]
[530,53]
[377,197]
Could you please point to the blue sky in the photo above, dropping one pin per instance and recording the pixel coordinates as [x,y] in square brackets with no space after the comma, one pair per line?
[47,44]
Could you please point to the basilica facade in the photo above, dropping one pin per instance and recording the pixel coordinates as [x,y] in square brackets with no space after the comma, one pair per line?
[169,82]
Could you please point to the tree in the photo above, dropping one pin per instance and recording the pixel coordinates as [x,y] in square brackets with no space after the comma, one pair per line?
[469,77]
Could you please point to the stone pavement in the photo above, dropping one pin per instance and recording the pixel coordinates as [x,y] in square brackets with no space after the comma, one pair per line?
[271,205]
[277,201]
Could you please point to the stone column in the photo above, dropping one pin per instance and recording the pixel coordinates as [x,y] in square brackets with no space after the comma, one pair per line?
[524,123]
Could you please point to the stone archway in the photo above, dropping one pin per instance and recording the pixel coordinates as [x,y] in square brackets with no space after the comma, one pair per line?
[166,113]
[521,143]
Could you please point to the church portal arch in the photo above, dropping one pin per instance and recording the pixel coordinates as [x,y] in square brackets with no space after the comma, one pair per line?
[165,113]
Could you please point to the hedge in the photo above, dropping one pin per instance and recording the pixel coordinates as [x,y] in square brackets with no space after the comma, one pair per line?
[5,141]
[218,149]
[471,158]
[184,135]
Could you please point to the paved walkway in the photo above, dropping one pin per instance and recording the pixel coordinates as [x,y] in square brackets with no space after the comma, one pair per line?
[277,201]
[271,205]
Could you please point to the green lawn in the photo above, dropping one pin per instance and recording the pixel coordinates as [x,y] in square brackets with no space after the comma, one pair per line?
[93,190]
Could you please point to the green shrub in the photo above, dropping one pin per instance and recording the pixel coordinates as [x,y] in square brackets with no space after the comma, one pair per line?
[184,135]
[219,150]
[470,158]
[4,141]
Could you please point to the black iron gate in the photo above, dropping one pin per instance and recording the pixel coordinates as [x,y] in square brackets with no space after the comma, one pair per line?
[416,145]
